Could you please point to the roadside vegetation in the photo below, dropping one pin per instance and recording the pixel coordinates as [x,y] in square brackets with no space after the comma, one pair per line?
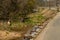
[14,15]
[19,16]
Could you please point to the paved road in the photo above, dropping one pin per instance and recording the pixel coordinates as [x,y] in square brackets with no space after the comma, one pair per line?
[52,31]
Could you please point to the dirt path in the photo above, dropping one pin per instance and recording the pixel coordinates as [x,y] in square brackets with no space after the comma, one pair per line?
[50,30]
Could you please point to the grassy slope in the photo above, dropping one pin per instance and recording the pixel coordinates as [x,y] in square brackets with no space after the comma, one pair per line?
[34,18]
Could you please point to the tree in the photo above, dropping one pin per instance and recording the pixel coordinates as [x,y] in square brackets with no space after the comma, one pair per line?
[28,8]
[16,9]
[4,12]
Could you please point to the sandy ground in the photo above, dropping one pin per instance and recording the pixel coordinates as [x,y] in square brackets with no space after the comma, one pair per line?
[8,35]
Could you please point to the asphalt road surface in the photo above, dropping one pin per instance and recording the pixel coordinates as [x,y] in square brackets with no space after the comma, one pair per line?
[52,31]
